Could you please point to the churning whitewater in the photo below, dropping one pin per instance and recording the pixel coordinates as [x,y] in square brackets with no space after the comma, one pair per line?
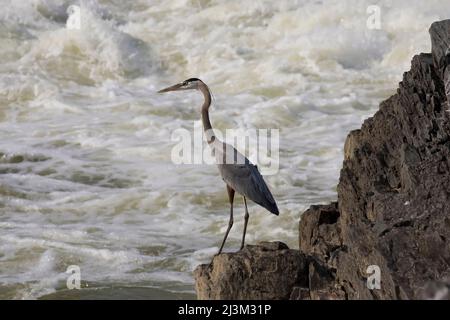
[86,174]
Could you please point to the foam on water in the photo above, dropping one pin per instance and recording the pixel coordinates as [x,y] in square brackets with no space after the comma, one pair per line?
[86,176]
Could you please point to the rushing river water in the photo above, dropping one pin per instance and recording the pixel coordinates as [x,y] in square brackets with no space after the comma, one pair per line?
[86,175]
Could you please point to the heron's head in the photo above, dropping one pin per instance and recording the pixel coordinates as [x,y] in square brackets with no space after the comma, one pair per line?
[189,84]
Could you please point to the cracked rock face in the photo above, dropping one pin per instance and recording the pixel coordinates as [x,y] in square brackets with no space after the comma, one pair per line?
[393,208]
[268,271]
[394,188]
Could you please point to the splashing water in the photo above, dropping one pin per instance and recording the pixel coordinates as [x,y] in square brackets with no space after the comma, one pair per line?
[86,176]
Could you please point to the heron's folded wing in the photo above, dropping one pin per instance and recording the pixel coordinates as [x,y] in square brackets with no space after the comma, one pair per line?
[247,180]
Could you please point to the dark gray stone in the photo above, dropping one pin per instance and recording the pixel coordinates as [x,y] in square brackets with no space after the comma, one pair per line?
[393,194]
[268,271]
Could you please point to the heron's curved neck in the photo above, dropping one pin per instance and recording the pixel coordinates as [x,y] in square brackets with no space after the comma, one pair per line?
[210,137]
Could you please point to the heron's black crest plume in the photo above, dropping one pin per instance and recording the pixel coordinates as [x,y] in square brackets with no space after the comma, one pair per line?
[193,79]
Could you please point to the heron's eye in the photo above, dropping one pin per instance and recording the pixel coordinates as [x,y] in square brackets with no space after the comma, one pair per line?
[185,83]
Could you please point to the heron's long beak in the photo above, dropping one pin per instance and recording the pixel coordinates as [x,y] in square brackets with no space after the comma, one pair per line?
[171,88]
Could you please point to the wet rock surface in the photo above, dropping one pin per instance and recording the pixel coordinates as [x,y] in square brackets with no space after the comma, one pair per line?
[268,271]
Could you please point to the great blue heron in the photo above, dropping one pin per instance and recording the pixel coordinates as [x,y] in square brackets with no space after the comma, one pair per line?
[236,170]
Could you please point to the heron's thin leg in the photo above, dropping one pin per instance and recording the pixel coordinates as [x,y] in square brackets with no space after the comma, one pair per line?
[245,223]
[230,222]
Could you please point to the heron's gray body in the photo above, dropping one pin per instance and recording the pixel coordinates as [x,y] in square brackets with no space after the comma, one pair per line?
[236,170]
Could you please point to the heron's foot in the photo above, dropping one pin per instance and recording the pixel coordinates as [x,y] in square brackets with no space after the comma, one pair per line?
[212,260]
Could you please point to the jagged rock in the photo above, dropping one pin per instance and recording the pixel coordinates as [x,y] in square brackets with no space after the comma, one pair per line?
[269,271]
[436,290]
[440,33]
[394,188]
[319,233]
[440,45]
[322,283]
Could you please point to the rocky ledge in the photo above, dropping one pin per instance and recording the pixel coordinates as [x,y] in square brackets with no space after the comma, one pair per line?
[392,217]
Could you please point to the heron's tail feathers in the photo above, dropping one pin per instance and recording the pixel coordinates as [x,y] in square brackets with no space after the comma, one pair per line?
[272,207]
